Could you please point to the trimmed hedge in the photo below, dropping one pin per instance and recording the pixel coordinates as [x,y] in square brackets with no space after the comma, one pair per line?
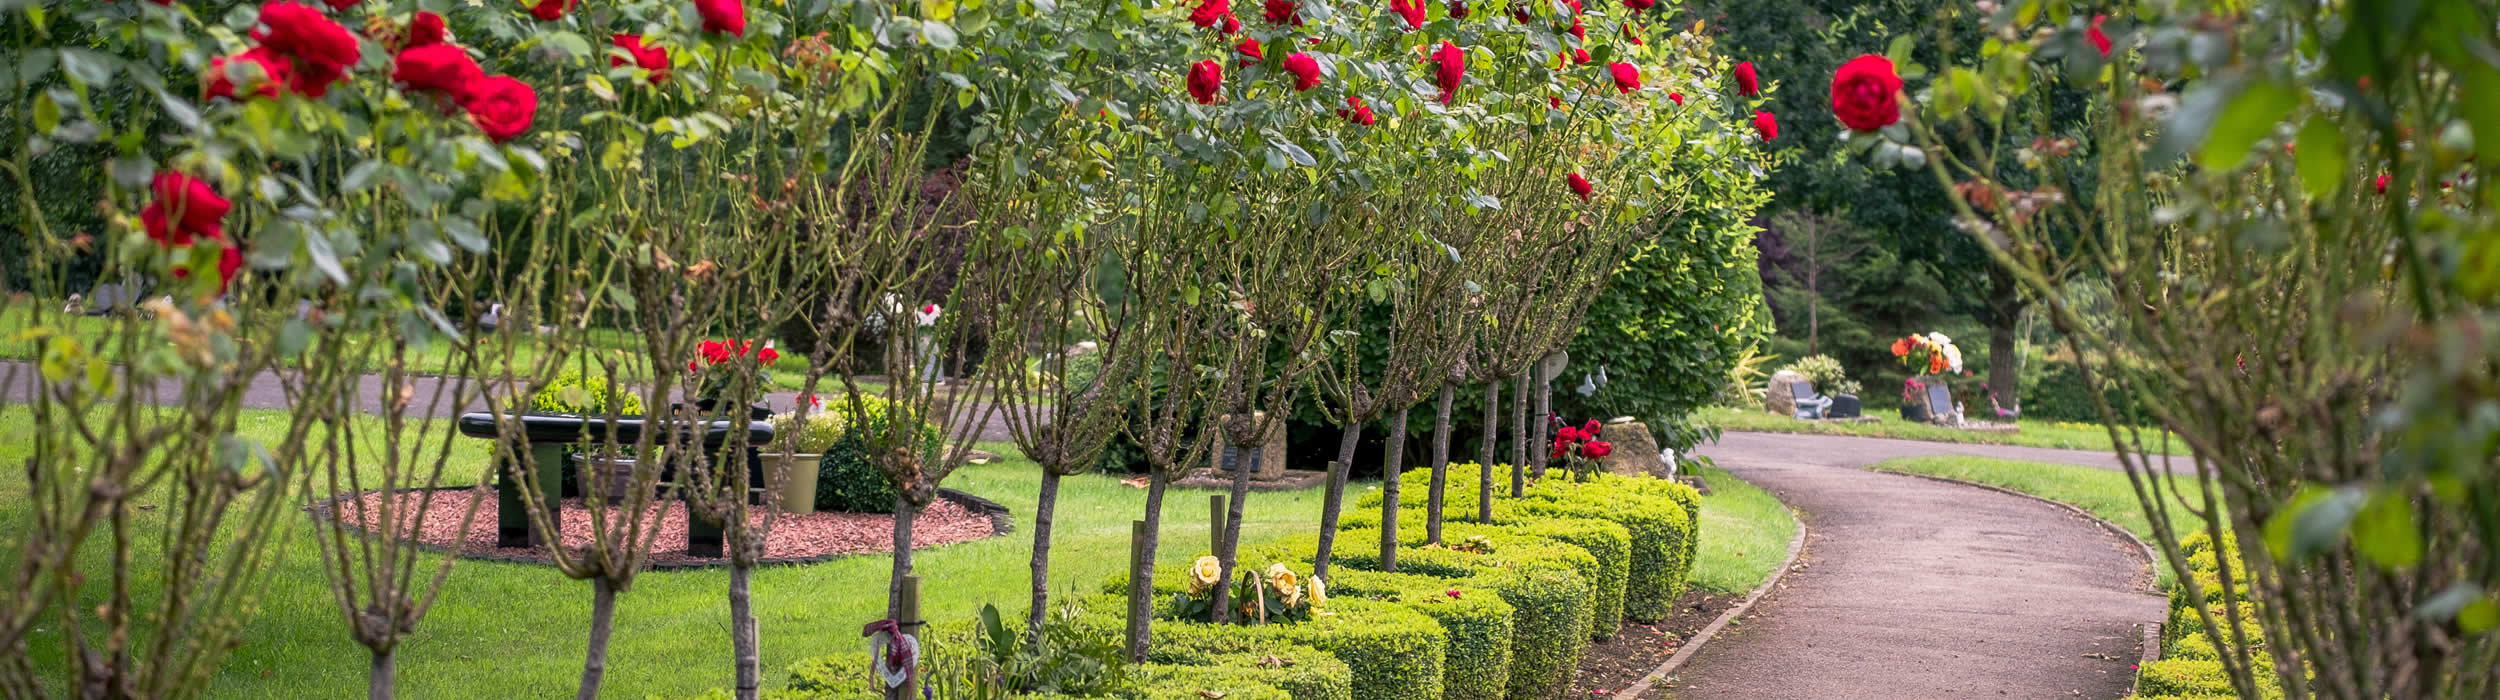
[1539,578]
[1477,620]
[1393,653]
[2192,665]
[1161,682]
[1661,517]
[2183,677]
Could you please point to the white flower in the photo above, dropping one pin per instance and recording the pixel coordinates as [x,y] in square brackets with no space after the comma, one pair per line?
[1953,359]
[1939,339]
[927,315]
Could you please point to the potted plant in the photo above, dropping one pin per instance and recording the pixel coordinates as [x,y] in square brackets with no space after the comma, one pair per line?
[1930,357]
[798,449]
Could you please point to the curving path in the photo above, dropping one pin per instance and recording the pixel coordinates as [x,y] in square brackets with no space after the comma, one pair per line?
[1914,588]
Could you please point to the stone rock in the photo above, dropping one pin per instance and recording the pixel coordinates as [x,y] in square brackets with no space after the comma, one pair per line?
[1777,397]
[1266,461]
[1635,452]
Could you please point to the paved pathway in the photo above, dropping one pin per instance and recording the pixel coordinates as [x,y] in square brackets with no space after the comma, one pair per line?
[1913,588]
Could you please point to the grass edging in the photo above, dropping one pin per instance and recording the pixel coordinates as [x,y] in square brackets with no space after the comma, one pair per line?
[1796,546]
[2148,650]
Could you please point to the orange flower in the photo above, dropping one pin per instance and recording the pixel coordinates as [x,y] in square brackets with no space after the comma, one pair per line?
[1901,347]
[1935,363]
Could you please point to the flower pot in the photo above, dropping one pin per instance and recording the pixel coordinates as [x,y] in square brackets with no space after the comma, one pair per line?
[1913,412]
[797,475]
[1843,406]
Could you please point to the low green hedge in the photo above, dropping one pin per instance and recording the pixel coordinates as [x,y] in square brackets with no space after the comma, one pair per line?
[1393,653]
[1477,620]
[1539,578]
[1660,516]
[2191,678]
[1162,682]
[2192,665]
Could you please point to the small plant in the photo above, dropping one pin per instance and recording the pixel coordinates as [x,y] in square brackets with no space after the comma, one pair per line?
[1826,373]
[1744,379]
[1274,596]
[1580,450]
[1065,659]
[818,434]
[588,395]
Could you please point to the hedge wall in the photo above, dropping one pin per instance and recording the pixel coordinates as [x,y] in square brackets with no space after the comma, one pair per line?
[2191,666]
[1478,621]
[1661,516]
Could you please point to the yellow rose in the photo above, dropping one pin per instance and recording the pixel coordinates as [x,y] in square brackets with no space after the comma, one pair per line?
[1291,594]
[1279,577]
[1204,573]
[1319,592]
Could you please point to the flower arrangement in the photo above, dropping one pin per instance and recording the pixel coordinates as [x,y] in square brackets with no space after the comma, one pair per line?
[1580,449]
[1274,596]
[1929,354]
[723,361]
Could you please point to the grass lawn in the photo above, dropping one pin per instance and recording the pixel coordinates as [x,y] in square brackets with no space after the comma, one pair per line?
[2101,492]
[1744,534]
[511,630]
[2072,436]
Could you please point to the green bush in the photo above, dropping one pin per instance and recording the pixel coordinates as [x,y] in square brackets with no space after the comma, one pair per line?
[1393,653]
[1160,682]
[1659,514]
[2191,678]
[1540,579]
[1300,671]
[1478,622]
[1826,374]
[847,481]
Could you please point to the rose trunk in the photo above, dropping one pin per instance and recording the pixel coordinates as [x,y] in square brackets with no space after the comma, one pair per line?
[1334,501]
[1389,478]
[1440,462]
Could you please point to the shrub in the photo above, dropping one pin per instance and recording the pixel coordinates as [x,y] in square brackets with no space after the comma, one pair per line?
[1478,622]
[1826,374]
[1540,579]
[822,430]
[1158,682]
[1393,653]
[847,481]
[2188,677]
[1659,515]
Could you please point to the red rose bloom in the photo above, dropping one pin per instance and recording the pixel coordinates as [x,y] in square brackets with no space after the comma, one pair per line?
[229,262]
[1249,49]
[1580,57]
[649,58]
[1768,125]
[1282,12]
[1864,93]
[336,4]
[1305,70]
[442,69]
[1458,9]
[501,106]
[2099,40]
[1627,77]
[1554,101]
[1449,69]
[1356,111]
[1205,78]
[1676,97]
[1567,434]
[318,50]
[1412,12]
[1579,186]
[1589,430]
[1640,5]
[1629,36]
[273,74]
[767,355]
[1519,13]
[1210,13]
[2382,183]
[1596,449]
[550,10]
[723,16]
[181,209]
[1746,83]
[1231,24]
[1579,31]
[424,29]
[1574,5]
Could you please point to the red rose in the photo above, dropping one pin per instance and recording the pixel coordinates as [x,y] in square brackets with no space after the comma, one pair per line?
[1567,434]
[273,74]
[1231,24]
[649,58]
[1579,56]
[1629,36]
[442,69]
[1574,5]
[2099,40]
[1458,9]
[1865,93]
[1205,78]
[550,10]
[1305,70]
[1282,12]
[340,4]
[1627,77]
[1590,429]
[1746,83]
[1554,101]
[1640,5]
[1767,125]
[1449,69]
[1249,48]
[1676,97]
[1210,13]
[723,16]
[1356,111]
[183,208]
[1579,186]
[1412,12]
[1596,449]
[767,355]
[1452,593]
[318,50]
[501,106]
[229,262]
[2382,183]
[424,29]
[1577,31]
[1519,13]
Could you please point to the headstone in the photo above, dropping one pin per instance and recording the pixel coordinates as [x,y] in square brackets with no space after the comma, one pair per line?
[1266,461]
[1778,398]
[1635,452]
[1939,399]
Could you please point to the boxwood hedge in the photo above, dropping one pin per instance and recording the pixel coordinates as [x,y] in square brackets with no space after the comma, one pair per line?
[1661,518]
[1478,621]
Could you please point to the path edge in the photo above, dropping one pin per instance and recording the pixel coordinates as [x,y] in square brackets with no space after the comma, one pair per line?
[1796,545]
[2148,650]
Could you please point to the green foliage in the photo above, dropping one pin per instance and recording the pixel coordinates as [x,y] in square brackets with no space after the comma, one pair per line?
[1064,658]
[822,429]
[1156,682]
[584,394]
[2189,678]
[1826,373]
[2054,390]
[1394,653]
[1658,514]
[847,481]
[1478,621]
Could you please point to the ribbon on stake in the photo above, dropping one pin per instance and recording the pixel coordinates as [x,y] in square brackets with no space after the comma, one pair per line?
[891,652]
